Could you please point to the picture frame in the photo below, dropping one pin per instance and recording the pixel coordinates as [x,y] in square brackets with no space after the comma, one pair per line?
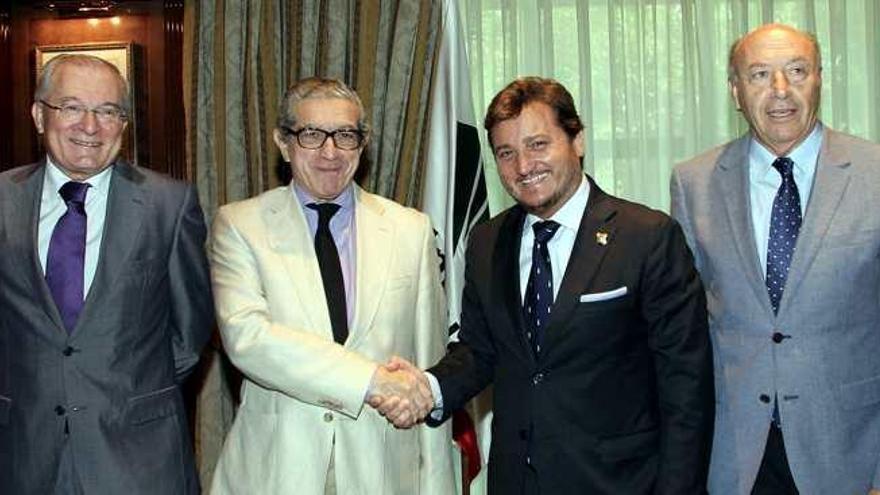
[123,56]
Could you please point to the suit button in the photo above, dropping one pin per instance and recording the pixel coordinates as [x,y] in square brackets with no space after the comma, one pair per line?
[328,417]
[764,398]
[59,410]
[523,435]
[67,351]
[537,378]
[778,337]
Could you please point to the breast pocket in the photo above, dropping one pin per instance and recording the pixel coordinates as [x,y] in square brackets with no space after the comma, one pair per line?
[865,238]
[605,328]
[588,306]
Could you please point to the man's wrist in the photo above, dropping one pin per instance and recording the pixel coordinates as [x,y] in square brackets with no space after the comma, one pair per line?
[437,411]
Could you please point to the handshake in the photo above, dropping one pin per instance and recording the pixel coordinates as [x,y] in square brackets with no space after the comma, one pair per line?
[400,391]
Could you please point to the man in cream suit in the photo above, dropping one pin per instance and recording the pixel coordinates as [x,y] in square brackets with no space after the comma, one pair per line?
[315,285]
[784,229]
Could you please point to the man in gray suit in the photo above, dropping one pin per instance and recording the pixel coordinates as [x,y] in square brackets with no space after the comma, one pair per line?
[105,302]
[784,229]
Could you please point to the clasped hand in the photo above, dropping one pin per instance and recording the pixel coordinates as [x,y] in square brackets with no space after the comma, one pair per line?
[400,392]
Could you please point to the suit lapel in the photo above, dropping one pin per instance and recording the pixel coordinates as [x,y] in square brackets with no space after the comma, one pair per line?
[127,201]
[506,290]
[289,236]
[26,220]
[832,178]
[586,258]
[375,236]
[733,184]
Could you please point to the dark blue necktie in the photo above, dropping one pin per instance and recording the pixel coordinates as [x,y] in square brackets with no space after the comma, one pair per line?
[67,252]
[331,270]
[539,290]
[785,223]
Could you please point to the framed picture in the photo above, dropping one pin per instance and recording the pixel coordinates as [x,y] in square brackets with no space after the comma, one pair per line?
[121,55]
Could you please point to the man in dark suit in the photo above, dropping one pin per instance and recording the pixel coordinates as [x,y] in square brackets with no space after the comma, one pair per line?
[587,314]
[105,302]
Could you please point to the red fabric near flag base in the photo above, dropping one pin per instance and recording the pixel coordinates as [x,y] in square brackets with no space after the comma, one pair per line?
[465,435]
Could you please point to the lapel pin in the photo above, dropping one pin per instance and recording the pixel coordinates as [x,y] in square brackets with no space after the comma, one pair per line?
[602,238]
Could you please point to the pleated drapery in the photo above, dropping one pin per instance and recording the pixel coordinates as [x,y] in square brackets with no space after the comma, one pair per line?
[240,56]
[649,77]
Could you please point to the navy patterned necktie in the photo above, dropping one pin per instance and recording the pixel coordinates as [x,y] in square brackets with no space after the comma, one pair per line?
[67,252]
[331,270]
[785,223]
[539,290]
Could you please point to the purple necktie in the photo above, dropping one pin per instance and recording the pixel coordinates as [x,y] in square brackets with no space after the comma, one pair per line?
[67,251]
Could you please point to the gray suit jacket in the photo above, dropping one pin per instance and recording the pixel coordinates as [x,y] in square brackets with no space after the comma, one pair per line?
[825,371]
[113,382]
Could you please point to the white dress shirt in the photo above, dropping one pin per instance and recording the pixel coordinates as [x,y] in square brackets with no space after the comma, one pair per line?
[560,245]
[52,207]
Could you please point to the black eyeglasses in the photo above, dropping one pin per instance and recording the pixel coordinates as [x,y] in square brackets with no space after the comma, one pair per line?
[74,112]
[312,138]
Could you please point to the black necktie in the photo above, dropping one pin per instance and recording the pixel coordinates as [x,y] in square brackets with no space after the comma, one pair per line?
[539,290]
[785,223]
[331,270]
[67,251]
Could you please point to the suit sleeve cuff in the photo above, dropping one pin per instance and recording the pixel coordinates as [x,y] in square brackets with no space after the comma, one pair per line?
[437,412]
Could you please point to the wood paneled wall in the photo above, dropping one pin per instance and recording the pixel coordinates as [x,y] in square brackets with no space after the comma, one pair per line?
[156,29]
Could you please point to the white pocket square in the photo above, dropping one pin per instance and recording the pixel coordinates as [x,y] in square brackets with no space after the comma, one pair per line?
[603,296]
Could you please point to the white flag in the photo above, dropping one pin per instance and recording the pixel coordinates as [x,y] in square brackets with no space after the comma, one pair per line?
[455,190]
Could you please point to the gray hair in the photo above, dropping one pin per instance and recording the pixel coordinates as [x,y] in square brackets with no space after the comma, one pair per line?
[47,76]
[734,48]
[317,87]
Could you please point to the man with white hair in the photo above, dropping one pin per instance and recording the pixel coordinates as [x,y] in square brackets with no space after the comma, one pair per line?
[105,302]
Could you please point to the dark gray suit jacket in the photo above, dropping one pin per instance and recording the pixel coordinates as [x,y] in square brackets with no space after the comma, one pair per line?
[113,382]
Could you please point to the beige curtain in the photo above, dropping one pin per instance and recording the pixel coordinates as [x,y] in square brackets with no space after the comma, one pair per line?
[240,56]
[649,76]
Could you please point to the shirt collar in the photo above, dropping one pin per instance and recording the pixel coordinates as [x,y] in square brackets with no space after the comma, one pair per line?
[571,213]
[345,200]
[804,155]
[55,178]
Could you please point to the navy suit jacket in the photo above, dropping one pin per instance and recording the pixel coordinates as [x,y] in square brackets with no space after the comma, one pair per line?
[621,398]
